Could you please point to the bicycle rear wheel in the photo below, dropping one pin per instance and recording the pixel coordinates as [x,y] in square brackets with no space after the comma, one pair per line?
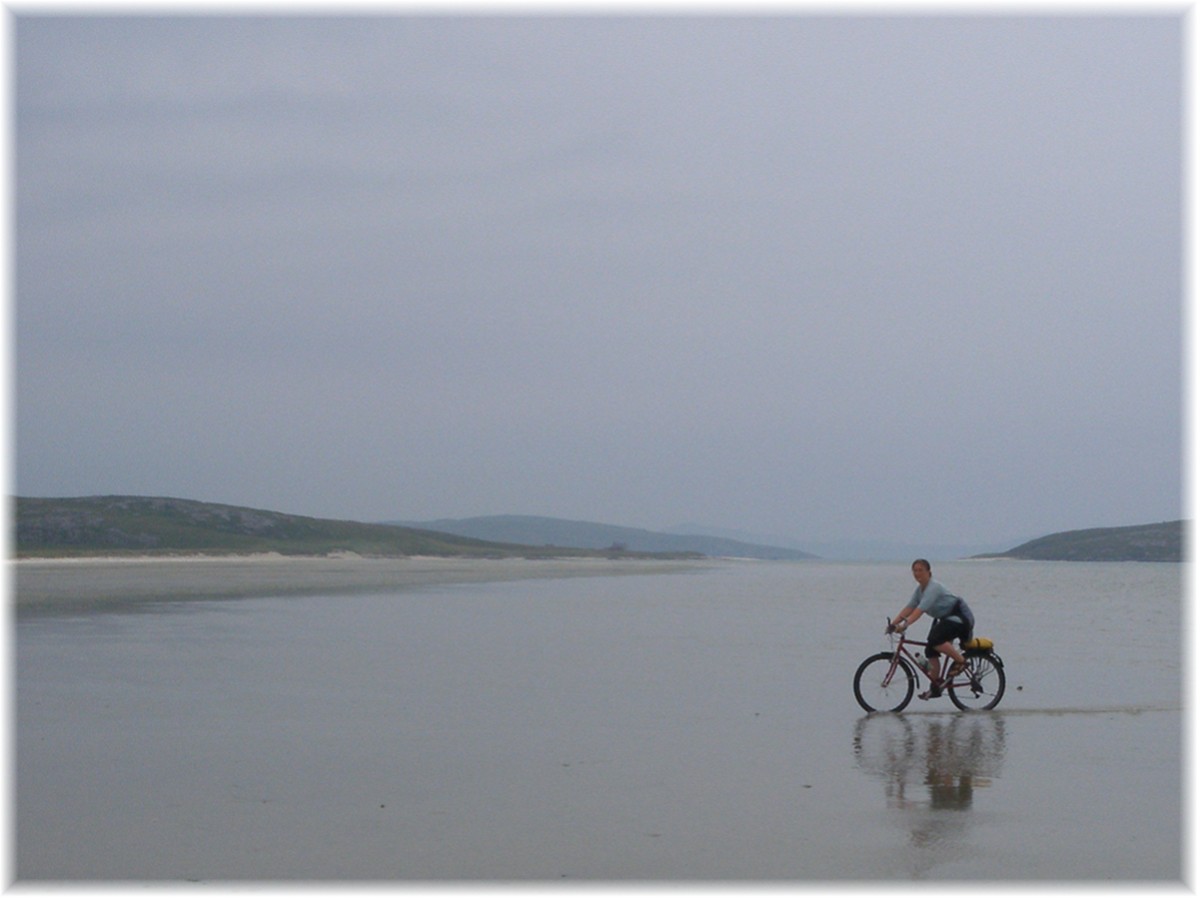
[879,688]
[982,685]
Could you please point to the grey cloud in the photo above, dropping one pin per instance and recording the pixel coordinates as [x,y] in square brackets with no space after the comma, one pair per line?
[818,275]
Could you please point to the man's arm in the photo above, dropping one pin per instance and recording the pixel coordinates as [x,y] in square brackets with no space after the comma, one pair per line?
[906,617]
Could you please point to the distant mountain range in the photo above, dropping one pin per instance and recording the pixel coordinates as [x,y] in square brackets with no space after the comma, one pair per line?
[1160,542]
[124,525]
[541,530]
[118,525]
[864,549]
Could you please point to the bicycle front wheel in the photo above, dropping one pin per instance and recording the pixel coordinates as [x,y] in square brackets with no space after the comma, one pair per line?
[981,686]
[884,684]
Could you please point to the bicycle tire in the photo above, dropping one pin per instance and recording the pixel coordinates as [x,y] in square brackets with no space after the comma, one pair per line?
[870,691]
[987,671]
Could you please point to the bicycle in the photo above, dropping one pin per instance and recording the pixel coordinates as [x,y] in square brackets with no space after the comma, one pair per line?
[887,681]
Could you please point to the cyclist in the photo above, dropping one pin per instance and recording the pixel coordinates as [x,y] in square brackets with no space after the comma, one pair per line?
[931,597]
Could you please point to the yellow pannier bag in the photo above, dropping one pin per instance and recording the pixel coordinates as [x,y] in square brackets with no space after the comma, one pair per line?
[979,643]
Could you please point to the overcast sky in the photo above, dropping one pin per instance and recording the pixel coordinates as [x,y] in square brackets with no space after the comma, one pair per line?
[829,277]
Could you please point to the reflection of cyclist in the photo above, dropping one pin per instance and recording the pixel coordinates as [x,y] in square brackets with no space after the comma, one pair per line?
[954,759]
[948,771]
[930,597]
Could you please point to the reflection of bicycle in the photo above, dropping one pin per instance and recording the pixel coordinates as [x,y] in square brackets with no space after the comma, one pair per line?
[887,681]
[951,756]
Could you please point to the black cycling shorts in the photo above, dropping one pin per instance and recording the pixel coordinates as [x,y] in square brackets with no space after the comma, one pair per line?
[944,630]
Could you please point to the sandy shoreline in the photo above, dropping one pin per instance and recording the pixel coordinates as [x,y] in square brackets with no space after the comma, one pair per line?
[98,583]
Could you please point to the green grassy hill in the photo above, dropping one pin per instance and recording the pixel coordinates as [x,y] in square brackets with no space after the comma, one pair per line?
[1160,542]
[116,526]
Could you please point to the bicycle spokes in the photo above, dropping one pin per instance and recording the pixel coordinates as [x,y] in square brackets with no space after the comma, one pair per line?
[983,684]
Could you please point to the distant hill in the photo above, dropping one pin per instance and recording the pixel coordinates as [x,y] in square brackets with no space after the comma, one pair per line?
[83,526]
[845,549]
[538,530]
[1161,542]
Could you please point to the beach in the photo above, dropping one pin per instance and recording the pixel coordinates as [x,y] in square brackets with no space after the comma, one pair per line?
[99,583]
[547,728]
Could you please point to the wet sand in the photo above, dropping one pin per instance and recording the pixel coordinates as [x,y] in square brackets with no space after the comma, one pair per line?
[100,583]
[581,731]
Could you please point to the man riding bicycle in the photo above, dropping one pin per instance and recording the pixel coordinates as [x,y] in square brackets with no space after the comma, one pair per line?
[932,598]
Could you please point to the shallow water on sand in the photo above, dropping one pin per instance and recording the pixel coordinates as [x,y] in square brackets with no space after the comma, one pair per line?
[681,726]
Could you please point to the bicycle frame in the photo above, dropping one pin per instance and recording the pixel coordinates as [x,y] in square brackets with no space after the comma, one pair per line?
[979,686]
[900,644]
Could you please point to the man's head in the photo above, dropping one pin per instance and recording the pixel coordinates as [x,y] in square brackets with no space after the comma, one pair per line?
[922,571]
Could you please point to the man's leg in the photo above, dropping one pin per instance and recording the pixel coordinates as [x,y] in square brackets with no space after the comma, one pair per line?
[950,650]
[935,686]
[935,666]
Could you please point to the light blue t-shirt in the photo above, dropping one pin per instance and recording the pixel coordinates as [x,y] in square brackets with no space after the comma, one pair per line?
[935,601]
